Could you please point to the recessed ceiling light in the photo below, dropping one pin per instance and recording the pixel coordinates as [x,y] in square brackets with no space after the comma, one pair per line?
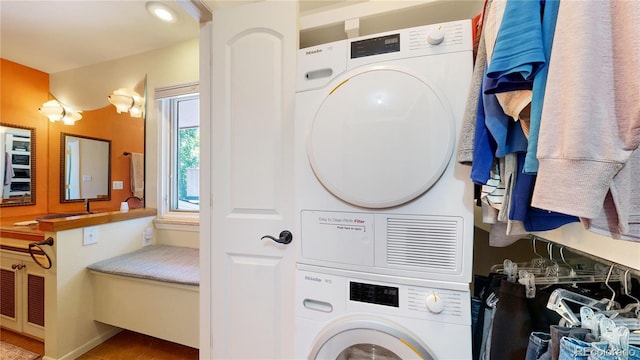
[161,11]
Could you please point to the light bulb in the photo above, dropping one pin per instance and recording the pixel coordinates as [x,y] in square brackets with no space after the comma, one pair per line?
[161,11]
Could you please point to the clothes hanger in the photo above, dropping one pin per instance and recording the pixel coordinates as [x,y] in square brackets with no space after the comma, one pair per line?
[616,336]
[559,299]
[632,307]
[596,321]
[613,292]
[553,277]
[548,266]
[508,266]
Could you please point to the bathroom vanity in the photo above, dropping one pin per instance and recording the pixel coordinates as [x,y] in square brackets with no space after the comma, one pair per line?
[56,304]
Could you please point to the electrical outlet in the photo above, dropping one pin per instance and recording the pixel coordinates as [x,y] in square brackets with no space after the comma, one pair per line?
[117,185]
[147,236]
[90,235]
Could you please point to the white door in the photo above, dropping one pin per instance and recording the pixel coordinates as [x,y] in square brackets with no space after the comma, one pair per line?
[251,145]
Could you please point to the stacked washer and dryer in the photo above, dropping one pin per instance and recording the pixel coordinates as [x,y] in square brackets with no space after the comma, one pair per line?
[384,212]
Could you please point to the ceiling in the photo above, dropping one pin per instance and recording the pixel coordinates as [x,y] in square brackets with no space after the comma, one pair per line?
[58,35]
[54,35]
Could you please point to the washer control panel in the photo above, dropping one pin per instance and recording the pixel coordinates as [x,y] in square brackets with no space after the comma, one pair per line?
[374,294]
[435,302]
[321,295]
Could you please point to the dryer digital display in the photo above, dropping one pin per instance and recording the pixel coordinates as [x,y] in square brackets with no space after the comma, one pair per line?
[374,294]
[375,46]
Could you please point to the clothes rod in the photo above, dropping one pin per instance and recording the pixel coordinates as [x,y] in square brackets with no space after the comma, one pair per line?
[595,258]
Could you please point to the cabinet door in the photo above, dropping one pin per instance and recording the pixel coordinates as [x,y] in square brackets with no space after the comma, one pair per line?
[21,294]
[10,288]
[33,300]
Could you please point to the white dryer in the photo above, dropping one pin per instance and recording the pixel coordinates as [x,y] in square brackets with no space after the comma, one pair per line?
[342,314]
[377,186]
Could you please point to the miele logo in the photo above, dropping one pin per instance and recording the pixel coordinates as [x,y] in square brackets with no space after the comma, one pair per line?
[312,278]
[311,52]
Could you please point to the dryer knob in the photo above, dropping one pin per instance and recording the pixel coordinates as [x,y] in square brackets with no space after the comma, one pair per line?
[436,36]
[435,303]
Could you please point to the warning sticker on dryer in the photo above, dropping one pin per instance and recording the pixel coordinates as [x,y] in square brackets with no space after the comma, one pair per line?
[338,236]
[343,223]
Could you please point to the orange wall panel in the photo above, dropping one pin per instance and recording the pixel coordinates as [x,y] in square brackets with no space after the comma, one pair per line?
[126,134]
[22,91]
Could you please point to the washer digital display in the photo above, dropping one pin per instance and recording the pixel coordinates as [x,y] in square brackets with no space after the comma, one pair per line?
[374,294]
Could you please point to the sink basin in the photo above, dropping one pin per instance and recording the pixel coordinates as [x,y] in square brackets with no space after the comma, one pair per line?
[59,216]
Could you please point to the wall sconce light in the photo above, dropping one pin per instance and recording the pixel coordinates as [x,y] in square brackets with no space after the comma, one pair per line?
[126,100]
[56,111]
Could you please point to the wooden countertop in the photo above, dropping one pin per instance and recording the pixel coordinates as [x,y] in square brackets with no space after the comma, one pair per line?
[35,232]
[8,229]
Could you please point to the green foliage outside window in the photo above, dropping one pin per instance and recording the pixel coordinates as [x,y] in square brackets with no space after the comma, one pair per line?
[188,156]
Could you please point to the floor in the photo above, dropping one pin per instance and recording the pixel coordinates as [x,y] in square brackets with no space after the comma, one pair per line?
[125,345]
[22,341]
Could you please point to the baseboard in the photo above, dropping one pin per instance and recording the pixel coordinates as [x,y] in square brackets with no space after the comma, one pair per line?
[74,354]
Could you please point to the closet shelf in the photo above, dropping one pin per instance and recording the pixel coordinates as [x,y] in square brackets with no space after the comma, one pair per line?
[590,255]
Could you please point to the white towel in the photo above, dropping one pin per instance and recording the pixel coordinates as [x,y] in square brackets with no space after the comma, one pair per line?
[8,169]
[137,174]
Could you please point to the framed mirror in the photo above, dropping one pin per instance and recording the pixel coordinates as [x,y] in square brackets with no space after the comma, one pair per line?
[18,165]
[85,168]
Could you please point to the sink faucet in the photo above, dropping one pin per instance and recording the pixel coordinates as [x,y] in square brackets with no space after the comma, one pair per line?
[140,200]
[86,205]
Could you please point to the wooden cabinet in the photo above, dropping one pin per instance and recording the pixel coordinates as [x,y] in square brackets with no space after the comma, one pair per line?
[21,294]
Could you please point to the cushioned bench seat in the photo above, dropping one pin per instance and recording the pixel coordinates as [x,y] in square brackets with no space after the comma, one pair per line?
[157,262]
[154,291]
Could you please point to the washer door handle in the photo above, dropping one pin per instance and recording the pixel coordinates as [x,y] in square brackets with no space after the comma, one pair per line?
[285,237]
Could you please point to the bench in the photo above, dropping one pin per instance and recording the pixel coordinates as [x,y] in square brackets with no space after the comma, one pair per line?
[153,290]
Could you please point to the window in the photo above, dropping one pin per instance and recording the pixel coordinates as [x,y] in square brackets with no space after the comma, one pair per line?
[185,153]
[179,163]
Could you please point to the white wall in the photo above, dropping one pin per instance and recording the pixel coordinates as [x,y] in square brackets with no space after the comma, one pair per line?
[88,87]
[69,326]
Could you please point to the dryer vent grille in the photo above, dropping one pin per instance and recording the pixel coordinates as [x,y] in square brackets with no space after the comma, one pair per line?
[425,243]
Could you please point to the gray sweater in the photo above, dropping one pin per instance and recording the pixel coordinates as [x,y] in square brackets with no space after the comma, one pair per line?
[590,122]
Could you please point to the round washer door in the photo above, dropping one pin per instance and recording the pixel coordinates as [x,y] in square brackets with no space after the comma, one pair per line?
[367,338]
[381,138]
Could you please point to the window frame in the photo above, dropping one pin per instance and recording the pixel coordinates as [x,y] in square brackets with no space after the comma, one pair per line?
[168,218]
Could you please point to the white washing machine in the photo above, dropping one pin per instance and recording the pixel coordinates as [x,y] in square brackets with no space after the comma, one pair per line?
[378,188]
[342,314]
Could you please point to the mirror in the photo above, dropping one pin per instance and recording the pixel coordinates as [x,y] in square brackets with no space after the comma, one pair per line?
[85,168]
[18,165]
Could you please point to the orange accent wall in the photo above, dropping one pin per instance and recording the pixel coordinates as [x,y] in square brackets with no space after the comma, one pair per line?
[23,90]
[126,134]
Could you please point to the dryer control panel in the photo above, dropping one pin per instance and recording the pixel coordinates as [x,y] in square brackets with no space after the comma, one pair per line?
[318,65]
[377,45]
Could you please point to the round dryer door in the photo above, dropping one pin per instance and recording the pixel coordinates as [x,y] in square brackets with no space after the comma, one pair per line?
[381,138]
[368,339]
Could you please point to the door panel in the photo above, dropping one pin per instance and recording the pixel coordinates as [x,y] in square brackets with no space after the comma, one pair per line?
[255,121]
[253,49]
[257,313]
